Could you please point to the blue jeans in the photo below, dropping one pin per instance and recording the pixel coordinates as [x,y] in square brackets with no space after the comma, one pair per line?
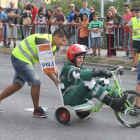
[42,30]
[127,43]
[96,41]
[24,72]
[4,35]
[118,37]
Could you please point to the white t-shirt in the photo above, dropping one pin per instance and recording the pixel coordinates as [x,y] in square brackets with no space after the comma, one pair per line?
[53,27]
[95,25]
[112,29]
[41,21]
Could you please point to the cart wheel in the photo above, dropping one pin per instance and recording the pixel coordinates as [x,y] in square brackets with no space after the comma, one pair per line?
[65,115]
[83,115]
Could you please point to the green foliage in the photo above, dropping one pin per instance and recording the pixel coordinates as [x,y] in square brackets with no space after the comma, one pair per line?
[77,3]
[119,4]
[135,4]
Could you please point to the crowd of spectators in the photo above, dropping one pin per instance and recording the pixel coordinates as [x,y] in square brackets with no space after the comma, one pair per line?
[84,25]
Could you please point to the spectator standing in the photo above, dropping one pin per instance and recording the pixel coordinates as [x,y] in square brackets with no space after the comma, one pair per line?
[77,17]
[60,20]
[70,19]
[34,11]
[41,9]
[71,13]
[84,30]
[134,28]
[95,27]
[133,12]
[127,18]
[118,21]
[1,27]
[12,14]
[21,14]
[92,13]
[53,21]
[109,25]
[85,9]
[131,41]
[3,19]
[60,16]
[27,29]
[48,16]
[41,20]
[137,64]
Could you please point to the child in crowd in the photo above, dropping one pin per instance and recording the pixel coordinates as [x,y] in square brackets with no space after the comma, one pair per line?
[41,20]
[53,21]
[84,30]
[118,21]
[95,27]
[60,20]
[109,25]
[48,16]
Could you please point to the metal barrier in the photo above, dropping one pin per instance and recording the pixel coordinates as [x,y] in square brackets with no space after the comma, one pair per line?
[120,38]
[76,35]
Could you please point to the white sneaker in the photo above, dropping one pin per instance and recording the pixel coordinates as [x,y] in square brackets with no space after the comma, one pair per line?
[134,69]
[116,47]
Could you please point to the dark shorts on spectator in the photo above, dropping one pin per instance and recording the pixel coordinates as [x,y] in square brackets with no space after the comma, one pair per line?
[136,44]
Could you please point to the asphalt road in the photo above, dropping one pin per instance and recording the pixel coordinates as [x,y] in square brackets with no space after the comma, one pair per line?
[19,124]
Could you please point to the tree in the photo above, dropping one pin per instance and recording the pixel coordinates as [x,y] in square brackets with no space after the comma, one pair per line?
[135,4]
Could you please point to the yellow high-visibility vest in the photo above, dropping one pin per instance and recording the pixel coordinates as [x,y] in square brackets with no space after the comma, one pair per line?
[27,51]
[136,27]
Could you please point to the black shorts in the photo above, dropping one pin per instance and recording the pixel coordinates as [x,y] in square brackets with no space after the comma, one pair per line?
[136,44]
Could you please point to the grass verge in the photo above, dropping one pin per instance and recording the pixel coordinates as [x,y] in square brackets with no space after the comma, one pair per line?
[6,50]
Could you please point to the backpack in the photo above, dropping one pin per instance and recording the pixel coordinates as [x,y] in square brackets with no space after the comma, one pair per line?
[27,20]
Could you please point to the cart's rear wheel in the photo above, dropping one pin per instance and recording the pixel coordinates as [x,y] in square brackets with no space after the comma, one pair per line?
[65,115]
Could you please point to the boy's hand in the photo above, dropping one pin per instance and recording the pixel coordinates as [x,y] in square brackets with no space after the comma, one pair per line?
[106,73]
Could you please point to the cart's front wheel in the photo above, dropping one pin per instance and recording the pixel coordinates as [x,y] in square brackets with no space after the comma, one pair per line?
[65,115]
[130,114]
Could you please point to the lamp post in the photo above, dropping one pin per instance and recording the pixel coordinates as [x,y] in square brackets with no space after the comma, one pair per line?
[102,8]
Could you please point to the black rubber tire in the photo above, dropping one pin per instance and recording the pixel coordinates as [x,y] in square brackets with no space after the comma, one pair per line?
[120,114]
[83,114]
[65,115]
